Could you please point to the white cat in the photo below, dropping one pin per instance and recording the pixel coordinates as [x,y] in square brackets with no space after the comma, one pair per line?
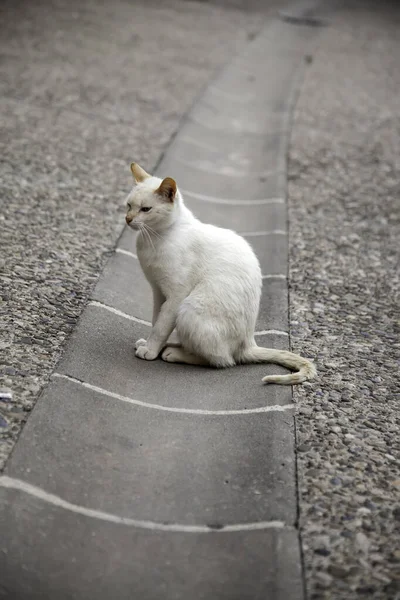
[206,282]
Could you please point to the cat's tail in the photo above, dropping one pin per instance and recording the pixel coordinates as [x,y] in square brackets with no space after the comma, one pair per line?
[304,368]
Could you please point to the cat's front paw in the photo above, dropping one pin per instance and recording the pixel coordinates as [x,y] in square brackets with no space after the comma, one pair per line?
[139,343]
[145,353]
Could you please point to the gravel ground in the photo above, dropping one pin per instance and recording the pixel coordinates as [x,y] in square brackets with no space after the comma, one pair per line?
[344,283]
[85,88]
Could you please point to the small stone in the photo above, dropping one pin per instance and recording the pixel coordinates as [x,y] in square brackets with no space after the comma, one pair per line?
[5,395]
[371,505]
[390,457]
[362,542]
[322,541]
[395,556]
[303,448]
[396,513]
[324,579]
[381,577]
[322,551]
[376,557]
[313,473]
[363,511]
[346,533]
[338,571]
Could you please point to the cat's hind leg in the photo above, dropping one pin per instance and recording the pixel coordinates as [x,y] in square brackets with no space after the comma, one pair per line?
[177,354]
[203,337]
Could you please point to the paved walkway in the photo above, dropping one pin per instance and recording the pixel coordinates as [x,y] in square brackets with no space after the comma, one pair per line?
[149,480]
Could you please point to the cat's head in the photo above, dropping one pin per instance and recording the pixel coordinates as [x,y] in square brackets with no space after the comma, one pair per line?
[151,202]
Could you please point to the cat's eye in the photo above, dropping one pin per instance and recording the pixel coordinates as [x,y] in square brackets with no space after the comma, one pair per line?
[145,208]
[129,206]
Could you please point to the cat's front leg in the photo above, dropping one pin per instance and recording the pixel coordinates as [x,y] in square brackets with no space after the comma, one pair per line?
[160,332]
[140,342]
[145,353]
[158,301]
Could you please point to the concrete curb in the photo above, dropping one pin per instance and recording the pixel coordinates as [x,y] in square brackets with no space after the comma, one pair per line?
[149,480]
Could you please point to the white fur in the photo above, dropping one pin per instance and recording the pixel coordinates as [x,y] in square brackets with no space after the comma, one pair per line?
[206,282]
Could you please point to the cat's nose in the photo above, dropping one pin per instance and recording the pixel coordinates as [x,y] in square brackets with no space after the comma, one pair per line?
[128,219]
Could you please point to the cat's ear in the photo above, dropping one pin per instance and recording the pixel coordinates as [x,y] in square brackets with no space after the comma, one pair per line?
[167,189]
[139,173]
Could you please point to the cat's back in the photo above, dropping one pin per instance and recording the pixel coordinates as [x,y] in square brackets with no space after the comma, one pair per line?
[221,241]
[225,249]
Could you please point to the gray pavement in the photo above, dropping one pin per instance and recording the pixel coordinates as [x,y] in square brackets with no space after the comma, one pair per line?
[344,201]
[168,481]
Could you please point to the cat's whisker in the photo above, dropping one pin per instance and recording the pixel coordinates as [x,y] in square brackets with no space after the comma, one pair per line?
[140,228]
[151,230]
[148,236]
[143,231]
